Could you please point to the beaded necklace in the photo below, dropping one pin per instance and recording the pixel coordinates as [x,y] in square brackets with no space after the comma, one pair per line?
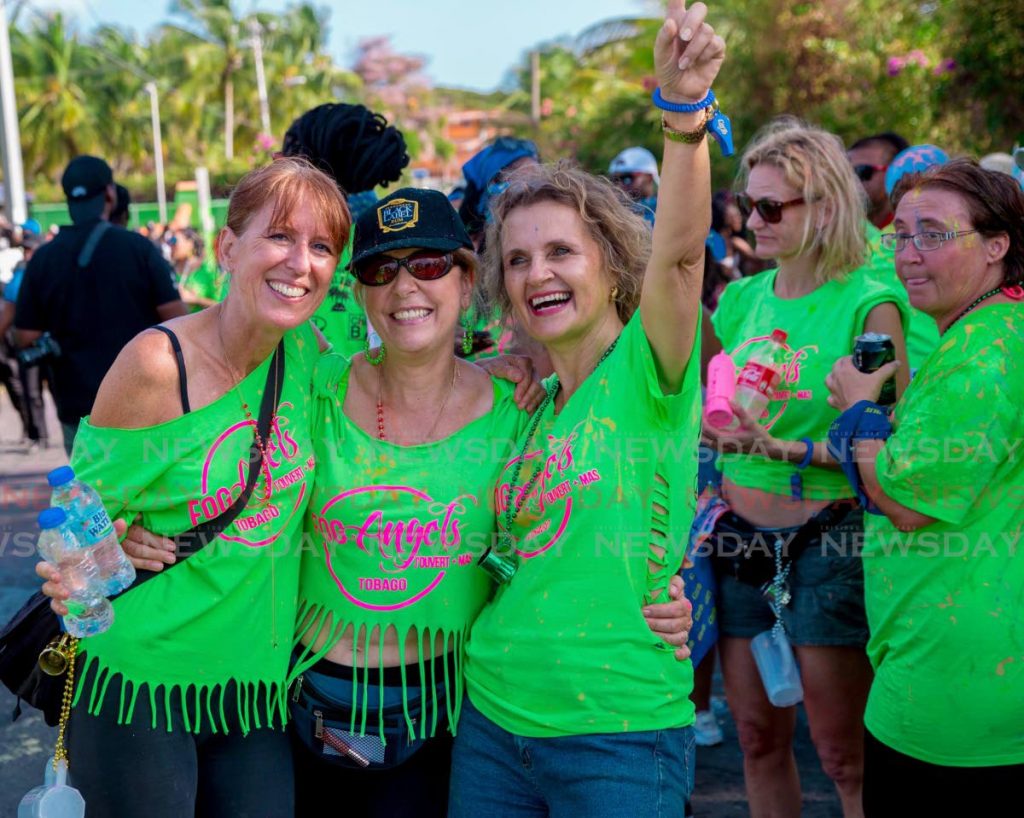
[261,445]
[1014,292]
[380,405]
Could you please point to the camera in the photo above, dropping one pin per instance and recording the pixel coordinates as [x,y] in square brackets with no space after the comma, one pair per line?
[45,348]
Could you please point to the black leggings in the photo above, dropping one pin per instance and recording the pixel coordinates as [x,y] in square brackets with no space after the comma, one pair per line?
[898,786]
[134,771]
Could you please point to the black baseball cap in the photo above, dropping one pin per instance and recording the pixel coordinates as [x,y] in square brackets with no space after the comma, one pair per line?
[410,217]
[85,180]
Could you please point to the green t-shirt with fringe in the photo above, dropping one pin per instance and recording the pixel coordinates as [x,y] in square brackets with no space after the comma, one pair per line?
[226,613]
[397,532]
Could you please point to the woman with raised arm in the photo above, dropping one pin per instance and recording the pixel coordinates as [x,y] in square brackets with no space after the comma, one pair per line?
[573,707]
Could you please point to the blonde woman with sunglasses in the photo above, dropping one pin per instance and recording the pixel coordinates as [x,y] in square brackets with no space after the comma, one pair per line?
[803,205]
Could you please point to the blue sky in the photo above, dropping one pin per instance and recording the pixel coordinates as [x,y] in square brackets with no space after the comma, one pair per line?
[468,43]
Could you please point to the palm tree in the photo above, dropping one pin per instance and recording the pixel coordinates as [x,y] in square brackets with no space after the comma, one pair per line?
[217,35]
[56,120]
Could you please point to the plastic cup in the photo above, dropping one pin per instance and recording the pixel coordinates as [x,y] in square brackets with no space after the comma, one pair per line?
[777,666]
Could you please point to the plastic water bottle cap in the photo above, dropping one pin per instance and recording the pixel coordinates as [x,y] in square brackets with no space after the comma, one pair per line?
[779,336]
[52,518]
[60,476]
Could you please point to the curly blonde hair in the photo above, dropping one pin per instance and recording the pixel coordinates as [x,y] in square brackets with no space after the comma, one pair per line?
[814,162]
[623,237]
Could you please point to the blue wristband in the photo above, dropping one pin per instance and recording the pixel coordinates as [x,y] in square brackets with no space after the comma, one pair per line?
[796,481]
[807,458]
[862,421]
[682,107]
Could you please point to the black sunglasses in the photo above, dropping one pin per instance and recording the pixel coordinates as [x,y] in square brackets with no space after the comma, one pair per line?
[425,265]
[623,178]
[866,172]
[769,209]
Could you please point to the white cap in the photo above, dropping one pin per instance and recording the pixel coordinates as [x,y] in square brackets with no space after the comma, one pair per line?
[635,160]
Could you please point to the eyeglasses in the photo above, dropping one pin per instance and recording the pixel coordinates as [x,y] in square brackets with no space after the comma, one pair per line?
[769,209]
[927,240]
[866,172]
[623,179]
[426,265]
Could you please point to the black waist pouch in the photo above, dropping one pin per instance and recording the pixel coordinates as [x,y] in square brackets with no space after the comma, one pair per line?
[326,727]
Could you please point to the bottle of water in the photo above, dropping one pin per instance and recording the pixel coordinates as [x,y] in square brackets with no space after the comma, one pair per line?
[761,375]
[91,524]
[89,611]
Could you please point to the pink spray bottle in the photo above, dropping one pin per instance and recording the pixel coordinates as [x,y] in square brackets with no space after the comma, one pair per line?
[721,388]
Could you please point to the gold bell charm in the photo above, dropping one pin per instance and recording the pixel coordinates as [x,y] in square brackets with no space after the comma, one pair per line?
[54,659]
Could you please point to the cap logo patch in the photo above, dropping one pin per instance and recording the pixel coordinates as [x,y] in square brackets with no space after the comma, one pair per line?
[77,191]
[398,215]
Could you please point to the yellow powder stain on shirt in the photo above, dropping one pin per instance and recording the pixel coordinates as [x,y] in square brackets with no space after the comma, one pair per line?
[1001,667]
[582,697]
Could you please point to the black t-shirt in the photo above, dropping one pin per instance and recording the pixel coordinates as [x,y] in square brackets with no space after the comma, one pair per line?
[91,312]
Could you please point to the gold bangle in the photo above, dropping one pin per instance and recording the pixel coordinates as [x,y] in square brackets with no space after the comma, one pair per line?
[694,137]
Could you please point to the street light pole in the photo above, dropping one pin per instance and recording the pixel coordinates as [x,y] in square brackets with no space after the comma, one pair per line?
[158,151]
[10,145]
[255,32]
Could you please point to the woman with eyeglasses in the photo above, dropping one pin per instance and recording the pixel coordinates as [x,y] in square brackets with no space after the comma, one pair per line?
[944,581]
[410,441]
[803,205]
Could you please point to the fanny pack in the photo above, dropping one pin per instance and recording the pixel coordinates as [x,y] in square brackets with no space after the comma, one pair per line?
[746,553]
[332,728]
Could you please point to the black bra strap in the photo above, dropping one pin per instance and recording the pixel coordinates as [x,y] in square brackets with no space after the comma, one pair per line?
[182,377]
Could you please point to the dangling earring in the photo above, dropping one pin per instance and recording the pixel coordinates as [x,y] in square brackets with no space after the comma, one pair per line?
[371,359]
[467,335]
[614,295]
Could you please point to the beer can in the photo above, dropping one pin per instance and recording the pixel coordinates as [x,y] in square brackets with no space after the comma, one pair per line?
[872,351]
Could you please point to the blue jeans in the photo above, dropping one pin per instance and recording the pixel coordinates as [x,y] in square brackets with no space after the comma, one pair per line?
[604,775]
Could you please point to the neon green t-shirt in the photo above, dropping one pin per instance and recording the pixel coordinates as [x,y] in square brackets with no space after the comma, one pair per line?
[225,614]
[339,317]
[563,649]
[821,328]
[922,331]
[945,602]
[397,532]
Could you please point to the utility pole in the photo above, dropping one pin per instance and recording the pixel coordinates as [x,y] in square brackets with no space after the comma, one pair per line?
[535,87]
[10,144]
[158,151]
[256,34]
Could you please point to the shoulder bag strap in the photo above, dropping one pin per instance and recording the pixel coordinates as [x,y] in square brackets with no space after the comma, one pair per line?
[195,539]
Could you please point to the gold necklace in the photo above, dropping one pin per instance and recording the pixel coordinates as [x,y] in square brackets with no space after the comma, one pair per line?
[380,405]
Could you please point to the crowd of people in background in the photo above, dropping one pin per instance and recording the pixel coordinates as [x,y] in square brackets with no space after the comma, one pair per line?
[615,291]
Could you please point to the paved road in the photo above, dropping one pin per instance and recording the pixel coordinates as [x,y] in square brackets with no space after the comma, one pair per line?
[27,743]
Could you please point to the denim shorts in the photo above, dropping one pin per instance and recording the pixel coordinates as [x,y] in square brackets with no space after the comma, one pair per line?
[826,584]
[604,775]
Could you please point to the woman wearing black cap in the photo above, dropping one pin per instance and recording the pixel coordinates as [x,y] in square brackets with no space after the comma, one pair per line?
[410,441]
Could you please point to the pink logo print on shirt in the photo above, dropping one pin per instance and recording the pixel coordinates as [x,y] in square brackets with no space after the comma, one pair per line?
[397,546]
[545,503]
[282,452]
